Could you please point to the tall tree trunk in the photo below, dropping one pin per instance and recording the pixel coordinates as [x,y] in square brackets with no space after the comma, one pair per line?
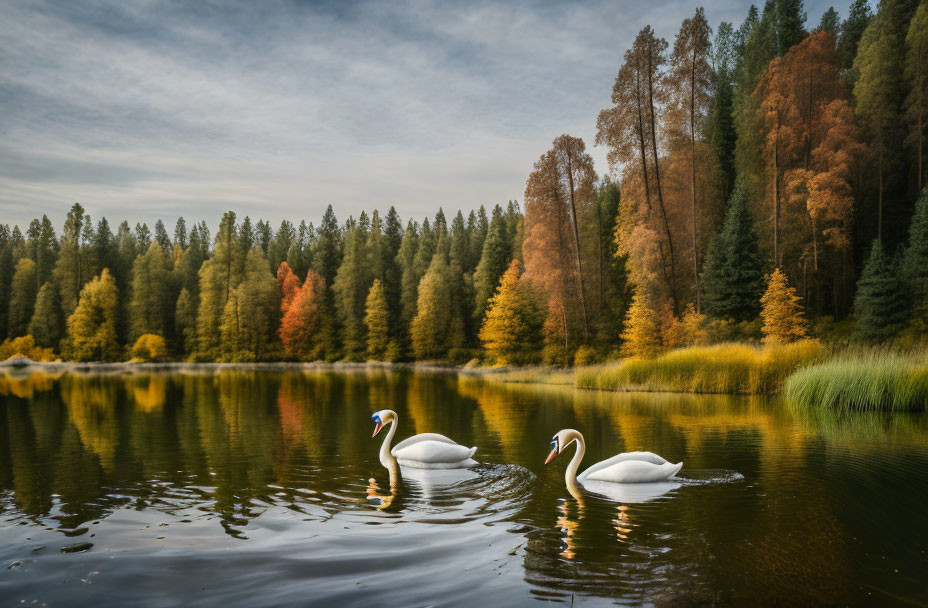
[573,208]
[776,194]
[657,177]
[879,216]
[693,174]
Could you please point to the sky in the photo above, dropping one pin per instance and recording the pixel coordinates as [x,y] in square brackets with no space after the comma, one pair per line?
[276,109]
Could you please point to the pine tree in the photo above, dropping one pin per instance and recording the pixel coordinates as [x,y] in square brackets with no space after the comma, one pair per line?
[377,321]
[22,297]
[327,252]
[152,297]
[143,236]
[70,271]
[409,282]
[852,29]
[280,246]
[496,255]
[46,326]
[913,269]
[219,276]
[6,277]
[251,314]
[733,281]
[185,322]
[830,22]
[431,325]
[781,311]
[92,325]
[642,337]
[512,330]
[352,283]
[180,233]
[305,329]
[879,305]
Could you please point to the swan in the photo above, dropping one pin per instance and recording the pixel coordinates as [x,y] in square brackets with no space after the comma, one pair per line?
[630,467]
[423,451]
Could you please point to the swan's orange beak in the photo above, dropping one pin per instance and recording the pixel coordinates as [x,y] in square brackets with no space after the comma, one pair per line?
[377,428]
[551,456]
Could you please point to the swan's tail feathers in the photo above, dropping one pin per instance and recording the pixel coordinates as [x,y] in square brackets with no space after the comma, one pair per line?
[675,469]
[472,451]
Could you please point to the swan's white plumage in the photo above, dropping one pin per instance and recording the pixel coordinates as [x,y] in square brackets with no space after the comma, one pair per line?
[649,457]
[421,437]
[423,451]
[633,471]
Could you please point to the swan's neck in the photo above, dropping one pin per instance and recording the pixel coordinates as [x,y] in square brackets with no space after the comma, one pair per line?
[386,458]
[570,475]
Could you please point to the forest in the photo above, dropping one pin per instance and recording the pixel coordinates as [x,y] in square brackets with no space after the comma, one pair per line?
[766,184]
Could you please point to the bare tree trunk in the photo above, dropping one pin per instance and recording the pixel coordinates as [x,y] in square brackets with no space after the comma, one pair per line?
[776,194]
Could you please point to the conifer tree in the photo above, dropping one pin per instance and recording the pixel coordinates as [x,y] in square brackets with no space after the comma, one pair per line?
[6,277]
[377,321]
[152,294]
[43,249]
[409,282]
[733,281]
[46,324]
[852,29]
[913,269]
[92,325]
[327,252]
[781,311]
[494,258]
[180,233]
[143,236]
[251,314]
[512,331]
[185,323]
[305,329]
[352,283]
[219,276]
[431,325]
[22,297]
[642,336]
[70,271]
[283,240]
[879,305]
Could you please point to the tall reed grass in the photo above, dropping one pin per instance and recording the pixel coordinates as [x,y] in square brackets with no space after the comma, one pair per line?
[722,368]
[865,381]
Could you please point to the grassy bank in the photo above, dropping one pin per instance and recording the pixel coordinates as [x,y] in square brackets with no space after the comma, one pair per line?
[722,368]
[863,381]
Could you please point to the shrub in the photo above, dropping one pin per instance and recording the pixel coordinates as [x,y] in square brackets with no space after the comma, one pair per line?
[149,347]
[586,355]
[25,347]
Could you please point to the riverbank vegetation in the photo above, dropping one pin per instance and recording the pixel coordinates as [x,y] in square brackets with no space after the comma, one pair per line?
[766,186]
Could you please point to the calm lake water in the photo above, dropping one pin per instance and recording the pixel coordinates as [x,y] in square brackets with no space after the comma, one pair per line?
[264,488]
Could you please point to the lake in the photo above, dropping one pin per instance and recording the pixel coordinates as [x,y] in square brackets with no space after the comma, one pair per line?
[220,487]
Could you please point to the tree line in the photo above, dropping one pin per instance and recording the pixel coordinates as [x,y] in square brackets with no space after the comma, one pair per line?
[760,176]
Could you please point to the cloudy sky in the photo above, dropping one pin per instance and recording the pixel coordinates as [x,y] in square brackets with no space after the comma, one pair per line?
[276,109]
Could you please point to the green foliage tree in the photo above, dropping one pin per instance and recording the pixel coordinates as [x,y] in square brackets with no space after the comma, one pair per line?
[431,326]
[251,314]
[46,326]
[92,325]
[6,277]
[70,272]
[152,294]
[879,305]
[185,323]
[733,281]
[494,259]
[512,330]
[219,276]
[352,283]
[23,292]
[913,268]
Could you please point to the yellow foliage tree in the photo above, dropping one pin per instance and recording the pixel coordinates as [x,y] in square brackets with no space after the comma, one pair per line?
[512,329]
[26,347]
[642,335]
[781,311]
[377,322]
[149,347]
[92,325]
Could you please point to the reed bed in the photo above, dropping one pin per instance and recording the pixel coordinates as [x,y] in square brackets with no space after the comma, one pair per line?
[722,368]
[876,380]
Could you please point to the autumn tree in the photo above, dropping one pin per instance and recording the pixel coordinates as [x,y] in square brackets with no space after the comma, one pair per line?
[251,314]
[642,335]
[70,272]
[377,322]
[560,185]
[92,325]
[494,257]
[781,311]
[152,294]
[512,330]
[23,292]
[288,284]
[688,84]
[305,329]
[916,69]
[219,276]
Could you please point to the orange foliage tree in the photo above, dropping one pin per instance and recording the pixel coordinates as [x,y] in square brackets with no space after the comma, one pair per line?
[304,329]
[288,284]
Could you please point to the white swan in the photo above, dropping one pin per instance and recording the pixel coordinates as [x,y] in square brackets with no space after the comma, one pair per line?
[630,467]
[423,451]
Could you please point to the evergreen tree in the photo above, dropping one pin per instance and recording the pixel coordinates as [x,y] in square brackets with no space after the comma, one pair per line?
[185,323]
[70,272]
[879,305]
[251,314]
[92,325]
[300,254]
[377,322]
[781,311]
[852,29]
[512,330]
[143,236]
[478,235]
[283,240]
[790,24]
[22,297]
[263,237]
[43,249]
[720,122]
[431,326]
[219,276]
[46,326]
[351,287]
[494,260]
[180,233]
[6,278]
[327,252]
[733,280]
[162,238]
[830,22]
[409,282]
[913,269]
[152,299]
